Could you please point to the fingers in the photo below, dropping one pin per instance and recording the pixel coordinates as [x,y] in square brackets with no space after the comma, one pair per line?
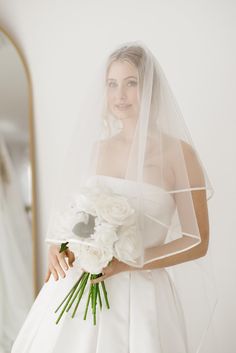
[57,266]
[71,257]
[62,261]
[47,276]
[54,273]
[98,279]
[111,269]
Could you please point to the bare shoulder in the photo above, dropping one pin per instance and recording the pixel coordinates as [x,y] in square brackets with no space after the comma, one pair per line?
[175,147]
[192,161]
[188,150]
[184,156]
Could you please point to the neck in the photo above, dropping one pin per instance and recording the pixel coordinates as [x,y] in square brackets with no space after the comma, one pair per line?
[128,131]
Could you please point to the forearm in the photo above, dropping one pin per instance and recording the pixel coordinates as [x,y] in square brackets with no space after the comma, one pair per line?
[184,255]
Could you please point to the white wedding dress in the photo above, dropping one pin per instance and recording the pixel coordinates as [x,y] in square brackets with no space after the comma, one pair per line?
[144,305]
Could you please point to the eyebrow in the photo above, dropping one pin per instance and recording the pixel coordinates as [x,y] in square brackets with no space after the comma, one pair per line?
[126,78]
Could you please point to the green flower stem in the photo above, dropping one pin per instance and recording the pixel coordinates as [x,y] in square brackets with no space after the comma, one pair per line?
[87,304]
[81,292]
[94,304]
[94,297]
[96,290]
[77,291]
[72,289]
[99,297]
[63,310]
[95,309]
[105,294]
[92,277]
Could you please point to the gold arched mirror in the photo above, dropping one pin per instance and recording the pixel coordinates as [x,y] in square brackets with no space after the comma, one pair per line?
[17,192]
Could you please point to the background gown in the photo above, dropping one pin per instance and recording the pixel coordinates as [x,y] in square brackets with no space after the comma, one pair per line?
[16,289]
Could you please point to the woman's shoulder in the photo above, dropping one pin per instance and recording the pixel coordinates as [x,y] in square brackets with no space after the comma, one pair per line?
[175,145]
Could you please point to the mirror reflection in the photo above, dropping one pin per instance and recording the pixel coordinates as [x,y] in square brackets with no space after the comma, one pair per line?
[16,240]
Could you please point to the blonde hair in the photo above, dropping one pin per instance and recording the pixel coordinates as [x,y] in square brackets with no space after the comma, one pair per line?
[135,55]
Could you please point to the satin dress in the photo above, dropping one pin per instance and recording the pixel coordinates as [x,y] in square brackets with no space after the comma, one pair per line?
[145,312]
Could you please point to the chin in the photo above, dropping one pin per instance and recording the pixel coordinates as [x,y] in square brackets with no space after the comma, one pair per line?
[123,116]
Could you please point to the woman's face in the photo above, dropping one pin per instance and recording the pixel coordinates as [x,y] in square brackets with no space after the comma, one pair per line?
[123,90]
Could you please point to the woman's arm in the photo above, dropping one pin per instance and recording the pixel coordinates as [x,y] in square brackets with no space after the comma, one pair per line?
[185,248]
[188,250]
[181,245]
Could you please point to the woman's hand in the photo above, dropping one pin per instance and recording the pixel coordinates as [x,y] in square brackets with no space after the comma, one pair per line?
[114,267]
[57,263]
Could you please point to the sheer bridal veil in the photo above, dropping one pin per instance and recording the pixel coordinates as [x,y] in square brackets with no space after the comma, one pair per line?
[154,149]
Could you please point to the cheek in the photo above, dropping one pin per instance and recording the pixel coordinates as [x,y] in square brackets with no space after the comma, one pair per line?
[110,102]
[110,97]
[135,97]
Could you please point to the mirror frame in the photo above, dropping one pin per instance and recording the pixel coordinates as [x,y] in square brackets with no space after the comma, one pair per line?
[32,156]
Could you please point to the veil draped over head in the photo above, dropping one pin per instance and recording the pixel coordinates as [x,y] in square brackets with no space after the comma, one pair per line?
[131,130]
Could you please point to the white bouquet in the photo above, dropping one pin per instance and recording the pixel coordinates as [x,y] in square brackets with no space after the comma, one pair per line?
[97,225]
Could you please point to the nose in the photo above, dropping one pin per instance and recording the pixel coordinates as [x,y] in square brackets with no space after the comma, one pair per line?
[121,93]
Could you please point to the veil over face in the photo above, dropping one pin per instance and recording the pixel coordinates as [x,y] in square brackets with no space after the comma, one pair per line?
[131,129]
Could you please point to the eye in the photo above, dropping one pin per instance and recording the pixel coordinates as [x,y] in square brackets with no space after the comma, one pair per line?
[132,83]
[111,84]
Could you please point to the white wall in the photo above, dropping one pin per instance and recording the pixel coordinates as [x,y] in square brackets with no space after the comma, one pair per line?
[194,40]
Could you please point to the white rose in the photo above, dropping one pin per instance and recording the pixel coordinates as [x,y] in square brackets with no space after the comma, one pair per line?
[114,209]
[66,221]
[127,246]
[93,259]
[83,217]
[105,234]
[87,197]
[98,220]
[63,224]
[85,202]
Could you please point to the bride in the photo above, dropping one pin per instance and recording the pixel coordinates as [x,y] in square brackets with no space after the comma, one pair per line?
[132,138]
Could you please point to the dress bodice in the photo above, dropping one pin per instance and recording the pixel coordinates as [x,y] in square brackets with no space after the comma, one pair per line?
[158,208]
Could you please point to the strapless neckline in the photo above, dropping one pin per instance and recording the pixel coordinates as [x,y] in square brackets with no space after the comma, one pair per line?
[152,187]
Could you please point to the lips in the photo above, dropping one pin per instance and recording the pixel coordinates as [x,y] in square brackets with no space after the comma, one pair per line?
[123,106]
